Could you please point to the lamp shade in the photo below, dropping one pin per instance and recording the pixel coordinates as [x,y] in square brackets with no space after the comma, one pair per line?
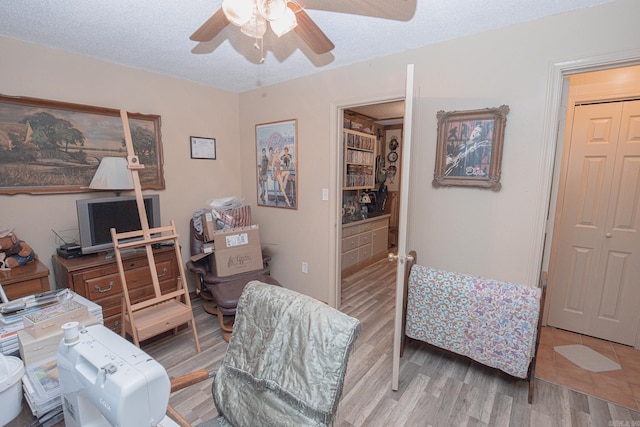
[271,9]
[238,12]
[112,174]
[256,27]
[285,23]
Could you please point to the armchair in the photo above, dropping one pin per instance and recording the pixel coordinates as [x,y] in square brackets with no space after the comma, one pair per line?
[220,295]
[285,364]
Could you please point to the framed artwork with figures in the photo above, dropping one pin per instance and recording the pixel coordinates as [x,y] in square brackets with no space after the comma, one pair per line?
[469,148]
[277,164]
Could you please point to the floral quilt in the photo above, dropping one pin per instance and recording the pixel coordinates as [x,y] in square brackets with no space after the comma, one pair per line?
[490,321]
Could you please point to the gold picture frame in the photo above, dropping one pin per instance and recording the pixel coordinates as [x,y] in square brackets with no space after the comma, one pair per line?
[52,147]
[469,148]
[277,164]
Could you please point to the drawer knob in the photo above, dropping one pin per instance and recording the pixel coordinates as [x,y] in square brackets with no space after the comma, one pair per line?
[164,272]
[99,289]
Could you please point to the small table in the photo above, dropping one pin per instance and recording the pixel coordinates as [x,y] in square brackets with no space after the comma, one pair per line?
[31,278]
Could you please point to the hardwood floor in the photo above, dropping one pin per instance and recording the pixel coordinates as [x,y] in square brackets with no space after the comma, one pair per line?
[435,389]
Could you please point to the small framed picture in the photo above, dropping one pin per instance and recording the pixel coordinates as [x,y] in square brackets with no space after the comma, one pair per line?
[203,148]
[469,150]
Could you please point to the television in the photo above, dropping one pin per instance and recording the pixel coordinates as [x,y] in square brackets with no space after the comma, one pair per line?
[96,217]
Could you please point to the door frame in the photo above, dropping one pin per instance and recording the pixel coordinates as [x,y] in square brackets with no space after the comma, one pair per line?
[335,170]
[553,133]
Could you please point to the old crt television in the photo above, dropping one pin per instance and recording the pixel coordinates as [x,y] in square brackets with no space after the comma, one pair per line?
[96,217]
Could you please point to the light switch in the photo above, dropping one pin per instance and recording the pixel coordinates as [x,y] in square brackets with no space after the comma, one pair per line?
[325,194]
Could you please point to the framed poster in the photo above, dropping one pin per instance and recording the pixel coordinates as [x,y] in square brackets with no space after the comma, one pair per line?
[469,148]
[203,148]
[56,147]
[277,164]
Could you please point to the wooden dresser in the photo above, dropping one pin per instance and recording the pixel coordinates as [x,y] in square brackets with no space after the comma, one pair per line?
[31,278]
[96,278]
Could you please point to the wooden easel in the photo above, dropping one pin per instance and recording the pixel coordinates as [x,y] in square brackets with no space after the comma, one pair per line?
[161,313]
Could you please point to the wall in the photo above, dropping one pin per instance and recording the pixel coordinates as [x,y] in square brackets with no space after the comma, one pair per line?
[185,108]
[476,231]
[471,230]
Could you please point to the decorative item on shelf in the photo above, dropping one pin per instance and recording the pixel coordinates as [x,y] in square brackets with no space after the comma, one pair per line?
[112,174]
[16,252]
[393,144]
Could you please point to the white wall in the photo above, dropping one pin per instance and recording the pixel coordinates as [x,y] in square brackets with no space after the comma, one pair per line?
[185,108]
[477,231]
[471,230]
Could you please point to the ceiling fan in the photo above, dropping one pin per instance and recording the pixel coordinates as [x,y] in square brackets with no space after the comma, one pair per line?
[254,16]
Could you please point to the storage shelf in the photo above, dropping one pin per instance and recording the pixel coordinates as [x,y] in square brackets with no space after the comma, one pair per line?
[359,160]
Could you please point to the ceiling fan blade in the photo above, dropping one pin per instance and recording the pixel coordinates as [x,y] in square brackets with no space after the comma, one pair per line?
[398,10]
[309,32]
[211,27]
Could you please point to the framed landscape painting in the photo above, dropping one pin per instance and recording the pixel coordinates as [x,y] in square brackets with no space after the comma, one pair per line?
[55,147]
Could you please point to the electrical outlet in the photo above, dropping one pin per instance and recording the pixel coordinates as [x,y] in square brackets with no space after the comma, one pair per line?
[305,267]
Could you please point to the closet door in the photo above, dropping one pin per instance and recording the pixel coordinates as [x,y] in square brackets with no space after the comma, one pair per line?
[595,270]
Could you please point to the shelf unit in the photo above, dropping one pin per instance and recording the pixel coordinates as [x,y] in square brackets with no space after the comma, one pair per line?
[359,160]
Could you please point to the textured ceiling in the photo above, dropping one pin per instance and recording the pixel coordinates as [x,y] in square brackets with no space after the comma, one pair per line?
[154,35]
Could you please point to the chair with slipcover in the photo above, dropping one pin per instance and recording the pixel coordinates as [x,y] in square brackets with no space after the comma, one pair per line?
[285,363]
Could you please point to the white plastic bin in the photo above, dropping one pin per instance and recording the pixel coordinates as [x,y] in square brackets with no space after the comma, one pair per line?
[11,372]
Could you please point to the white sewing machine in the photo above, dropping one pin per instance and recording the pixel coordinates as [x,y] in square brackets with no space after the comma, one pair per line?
[107,381]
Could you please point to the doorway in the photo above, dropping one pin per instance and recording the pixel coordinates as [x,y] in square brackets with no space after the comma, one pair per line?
[369,182]
[594,248]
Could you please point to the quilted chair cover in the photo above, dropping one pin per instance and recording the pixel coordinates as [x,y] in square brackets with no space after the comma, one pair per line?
[286,361]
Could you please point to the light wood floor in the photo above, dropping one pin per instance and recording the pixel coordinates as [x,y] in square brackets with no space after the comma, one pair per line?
[435,390]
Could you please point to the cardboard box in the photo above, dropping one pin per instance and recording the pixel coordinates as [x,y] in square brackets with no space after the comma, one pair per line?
[49,320]
[223,220]
[36,349]
[207,249]
[208,226]
[237,250]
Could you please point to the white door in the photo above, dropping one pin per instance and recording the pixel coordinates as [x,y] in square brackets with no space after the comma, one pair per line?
[596,267]
[402,225]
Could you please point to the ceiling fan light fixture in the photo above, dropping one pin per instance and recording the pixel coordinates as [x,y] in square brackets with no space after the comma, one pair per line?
[255,27]
[285,24]
[272,9]
[238,12]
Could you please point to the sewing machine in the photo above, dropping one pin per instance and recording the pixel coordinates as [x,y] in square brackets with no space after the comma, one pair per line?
[107,381]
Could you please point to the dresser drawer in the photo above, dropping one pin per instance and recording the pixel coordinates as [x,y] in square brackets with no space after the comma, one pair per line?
[364,238]
[364,253]
[101,287]
[349,243]
[349,258]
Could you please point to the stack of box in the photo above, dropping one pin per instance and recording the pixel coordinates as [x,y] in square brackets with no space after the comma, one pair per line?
[231,250]
[42,387]
[9,331]
[38,342]
[43,329]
